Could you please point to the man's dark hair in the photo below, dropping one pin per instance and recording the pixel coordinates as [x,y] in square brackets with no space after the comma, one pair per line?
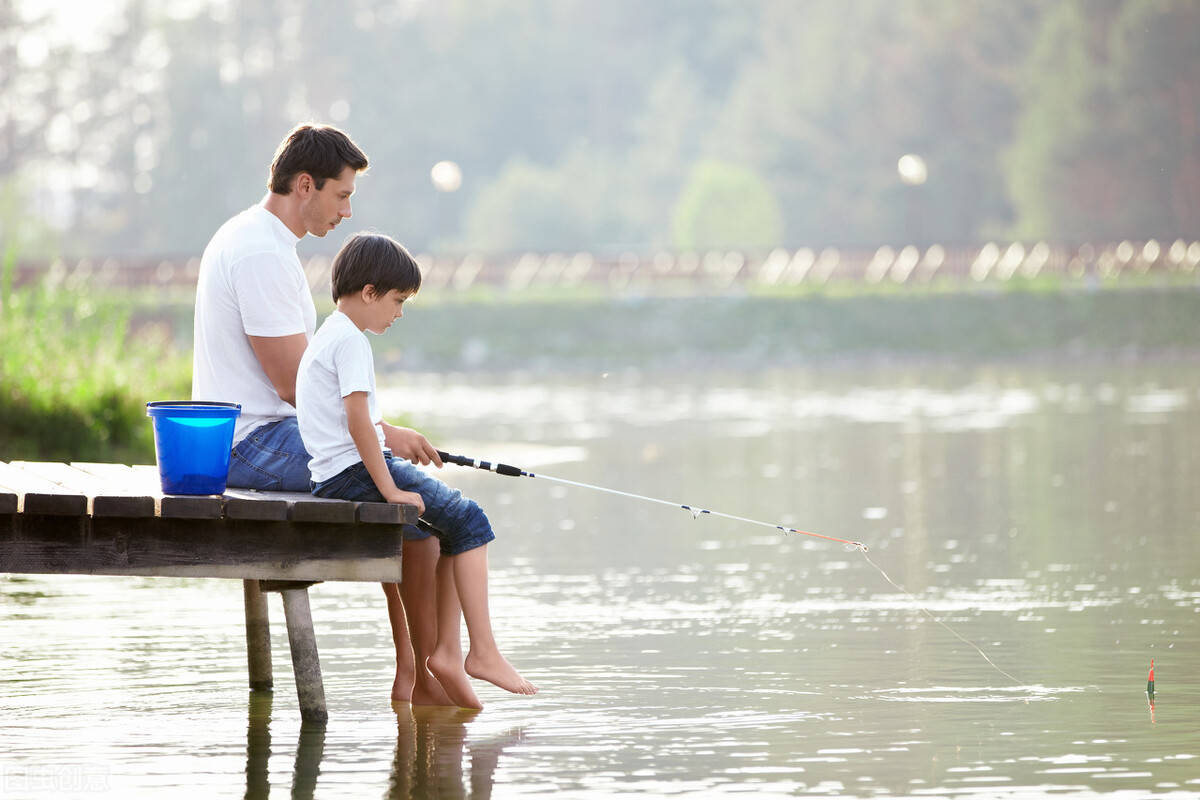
[376,260]
[322,151]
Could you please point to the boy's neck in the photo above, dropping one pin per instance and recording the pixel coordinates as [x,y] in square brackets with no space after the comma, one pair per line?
[352,306]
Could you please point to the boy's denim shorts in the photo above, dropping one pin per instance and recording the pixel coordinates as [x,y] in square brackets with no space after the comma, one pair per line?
[457,521]
[272,458]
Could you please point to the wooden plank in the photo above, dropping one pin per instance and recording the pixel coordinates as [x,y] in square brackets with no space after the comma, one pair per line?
[387,513]
[54,503]
[184,506]
[118,481]
[178,506]
[263,509]
[316,509]
[203,548]
[19,481]
[37,495]
[8,502]
[105,499]
[140,479]
[303,507]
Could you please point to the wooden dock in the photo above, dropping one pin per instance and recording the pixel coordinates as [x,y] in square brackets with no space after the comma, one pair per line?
[112,519]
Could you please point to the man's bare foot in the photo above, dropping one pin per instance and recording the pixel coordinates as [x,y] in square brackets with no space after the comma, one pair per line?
[453,679]
[494,668]
[402,686]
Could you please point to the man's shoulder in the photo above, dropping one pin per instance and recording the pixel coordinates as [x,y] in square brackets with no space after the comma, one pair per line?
[245,235]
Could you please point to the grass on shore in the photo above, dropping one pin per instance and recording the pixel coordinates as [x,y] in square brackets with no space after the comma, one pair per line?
[74,381]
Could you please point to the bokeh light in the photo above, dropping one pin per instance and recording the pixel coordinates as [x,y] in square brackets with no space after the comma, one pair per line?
[446,176]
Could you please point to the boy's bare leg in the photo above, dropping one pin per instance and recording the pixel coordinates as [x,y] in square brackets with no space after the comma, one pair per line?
[418,592]
[447,660]
[484,660]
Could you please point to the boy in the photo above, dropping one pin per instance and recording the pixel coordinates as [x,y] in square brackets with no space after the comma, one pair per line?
[335,402]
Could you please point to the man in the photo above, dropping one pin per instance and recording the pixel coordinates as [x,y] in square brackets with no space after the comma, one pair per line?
[254,317]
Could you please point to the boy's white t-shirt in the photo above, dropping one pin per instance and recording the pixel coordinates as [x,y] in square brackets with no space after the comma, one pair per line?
[251,284]
[337,362]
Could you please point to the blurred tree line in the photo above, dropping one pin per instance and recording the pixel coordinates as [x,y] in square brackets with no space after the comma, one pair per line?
[611,125]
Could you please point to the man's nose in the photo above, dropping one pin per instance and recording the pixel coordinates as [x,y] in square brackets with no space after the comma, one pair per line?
[345,212]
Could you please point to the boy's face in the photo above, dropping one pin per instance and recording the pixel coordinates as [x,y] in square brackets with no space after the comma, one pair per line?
[322,209]
[383,309]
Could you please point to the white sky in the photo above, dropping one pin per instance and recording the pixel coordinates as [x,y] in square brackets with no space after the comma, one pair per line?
[85,22]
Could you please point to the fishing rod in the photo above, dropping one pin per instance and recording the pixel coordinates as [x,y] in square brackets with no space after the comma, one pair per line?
[517,472]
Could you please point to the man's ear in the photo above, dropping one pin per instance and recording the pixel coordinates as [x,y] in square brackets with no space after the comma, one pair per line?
[304,183]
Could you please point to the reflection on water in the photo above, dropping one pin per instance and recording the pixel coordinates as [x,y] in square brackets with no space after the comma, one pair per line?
[1048,515]
[309,749]
[430,747]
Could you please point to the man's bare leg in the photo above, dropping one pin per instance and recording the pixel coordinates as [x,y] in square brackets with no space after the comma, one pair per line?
[406,668]
[484,661]
[418,593]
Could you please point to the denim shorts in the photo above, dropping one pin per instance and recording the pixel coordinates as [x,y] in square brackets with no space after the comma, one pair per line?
[457,521]
[272,458]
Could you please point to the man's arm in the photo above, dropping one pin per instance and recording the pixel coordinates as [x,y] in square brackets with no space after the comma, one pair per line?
[410,444]
[280,359]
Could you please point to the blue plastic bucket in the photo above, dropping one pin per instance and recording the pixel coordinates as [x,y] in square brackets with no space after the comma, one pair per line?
[192,442]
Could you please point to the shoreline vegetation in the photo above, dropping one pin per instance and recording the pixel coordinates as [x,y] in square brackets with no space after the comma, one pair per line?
[77,365]
[75,377]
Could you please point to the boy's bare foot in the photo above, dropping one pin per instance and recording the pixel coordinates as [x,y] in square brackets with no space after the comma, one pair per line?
[454,681]
[494,668]
[429,692]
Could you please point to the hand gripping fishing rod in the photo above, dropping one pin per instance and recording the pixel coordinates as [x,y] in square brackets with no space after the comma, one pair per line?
[517,472]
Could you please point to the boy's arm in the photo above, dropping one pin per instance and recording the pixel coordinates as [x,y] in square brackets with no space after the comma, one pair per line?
[410,444]
[358,420]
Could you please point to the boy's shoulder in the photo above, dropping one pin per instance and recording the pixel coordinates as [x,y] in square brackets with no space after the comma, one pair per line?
[336,328]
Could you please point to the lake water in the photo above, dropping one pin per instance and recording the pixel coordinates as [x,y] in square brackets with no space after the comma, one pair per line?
[1048,514]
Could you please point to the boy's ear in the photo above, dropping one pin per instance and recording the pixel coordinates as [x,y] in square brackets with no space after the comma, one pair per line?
[368,293]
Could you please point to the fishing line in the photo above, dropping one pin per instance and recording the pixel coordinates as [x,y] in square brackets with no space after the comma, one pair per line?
[517,472]
[929,614]
[696,511]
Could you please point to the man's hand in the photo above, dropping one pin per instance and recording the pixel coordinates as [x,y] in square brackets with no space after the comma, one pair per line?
[410,444]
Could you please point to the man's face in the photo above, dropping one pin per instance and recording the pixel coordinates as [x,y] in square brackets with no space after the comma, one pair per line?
[322,209]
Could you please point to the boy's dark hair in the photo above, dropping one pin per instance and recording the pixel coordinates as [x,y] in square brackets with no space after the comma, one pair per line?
[376,260]
[322,151]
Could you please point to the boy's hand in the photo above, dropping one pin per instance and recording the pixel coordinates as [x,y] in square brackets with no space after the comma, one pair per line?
[410,498]
[411,445]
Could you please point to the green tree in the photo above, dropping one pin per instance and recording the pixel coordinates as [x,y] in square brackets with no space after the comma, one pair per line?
[834,94]
[1108,143]
[726,206]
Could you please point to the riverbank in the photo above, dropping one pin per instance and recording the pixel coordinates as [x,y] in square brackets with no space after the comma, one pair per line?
[504,333]
[75,376]
[78,366]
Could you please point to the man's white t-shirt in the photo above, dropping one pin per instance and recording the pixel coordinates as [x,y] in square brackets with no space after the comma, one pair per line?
[337,362]
[251,284]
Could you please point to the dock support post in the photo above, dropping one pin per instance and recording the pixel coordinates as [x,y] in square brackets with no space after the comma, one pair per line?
[305,663]
[258,637]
